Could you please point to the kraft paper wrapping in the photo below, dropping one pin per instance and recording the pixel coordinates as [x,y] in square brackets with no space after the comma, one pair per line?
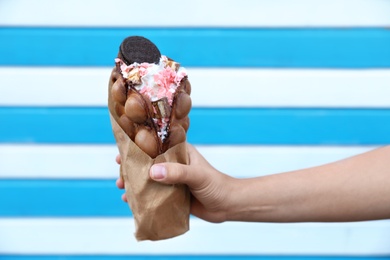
[160,211]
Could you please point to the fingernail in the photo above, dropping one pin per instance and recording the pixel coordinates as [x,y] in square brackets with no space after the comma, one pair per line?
[158,172]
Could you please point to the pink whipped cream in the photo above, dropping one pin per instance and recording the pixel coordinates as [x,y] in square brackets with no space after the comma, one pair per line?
[155,81]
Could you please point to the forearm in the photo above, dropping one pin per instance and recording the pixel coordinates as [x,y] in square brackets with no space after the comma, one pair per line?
[357,188]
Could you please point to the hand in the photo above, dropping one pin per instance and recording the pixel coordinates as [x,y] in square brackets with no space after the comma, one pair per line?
[119,182]
[210,188]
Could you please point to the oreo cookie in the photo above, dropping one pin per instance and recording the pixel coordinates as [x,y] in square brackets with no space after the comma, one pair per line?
[139,49]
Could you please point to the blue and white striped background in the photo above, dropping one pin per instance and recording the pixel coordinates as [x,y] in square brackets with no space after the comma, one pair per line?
[277,86]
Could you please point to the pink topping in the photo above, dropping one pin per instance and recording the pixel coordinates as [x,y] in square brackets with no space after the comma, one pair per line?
[155,81]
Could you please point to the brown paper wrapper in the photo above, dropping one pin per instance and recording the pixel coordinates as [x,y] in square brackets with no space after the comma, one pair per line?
[160,211]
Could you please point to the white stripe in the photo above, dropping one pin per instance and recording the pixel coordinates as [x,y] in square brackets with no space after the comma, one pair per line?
[253,13]
[93,236]
[98,161]
[210,87]
[291,88]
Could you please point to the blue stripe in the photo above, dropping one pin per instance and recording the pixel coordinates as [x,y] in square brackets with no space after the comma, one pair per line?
[208,126]
[205,47]
[57,198]
[187,257]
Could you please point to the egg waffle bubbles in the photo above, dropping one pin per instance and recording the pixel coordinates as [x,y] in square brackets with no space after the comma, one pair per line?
[149,102]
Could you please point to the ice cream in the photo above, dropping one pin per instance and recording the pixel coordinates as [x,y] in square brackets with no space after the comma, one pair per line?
[149,102]
[152,100]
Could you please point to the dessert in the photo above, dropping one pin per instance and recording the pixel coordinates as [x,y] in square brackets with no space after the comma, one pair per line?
[149,102]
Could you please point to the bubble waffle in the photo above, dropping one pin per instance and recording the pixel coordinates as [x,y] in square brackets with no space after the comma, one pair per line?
[149,102]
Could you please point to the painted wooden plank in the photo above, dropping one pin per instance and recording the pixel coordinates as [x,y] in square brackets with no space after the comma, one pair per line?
[261,13]
[97,161]
[189,257]
[211,87]
[61,198]
[201,47]
[92,236]
[259,126]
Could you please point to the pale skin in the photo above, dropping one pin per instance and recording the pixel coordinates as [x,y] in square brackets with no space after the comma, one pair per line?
[353,189]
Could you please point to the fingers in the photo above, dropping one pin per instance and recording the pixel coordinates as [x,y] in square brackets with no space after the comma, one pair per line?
[119,183]
[124,197]
[172,173]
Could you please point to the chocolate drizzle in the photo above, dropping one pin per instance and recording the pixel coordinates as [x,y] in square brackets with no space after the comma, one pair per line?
[139,49]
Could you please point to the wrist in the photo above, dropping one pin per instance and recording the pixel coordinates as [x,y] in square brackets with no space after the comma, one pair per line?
[248,200]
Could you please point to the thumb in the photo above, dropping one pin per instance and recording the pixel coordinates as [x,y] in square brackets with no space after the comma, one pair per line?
[172,173]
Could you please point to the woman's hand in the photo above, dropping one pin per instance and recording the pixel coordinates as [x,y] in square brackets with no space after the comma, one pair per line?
[211,190]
